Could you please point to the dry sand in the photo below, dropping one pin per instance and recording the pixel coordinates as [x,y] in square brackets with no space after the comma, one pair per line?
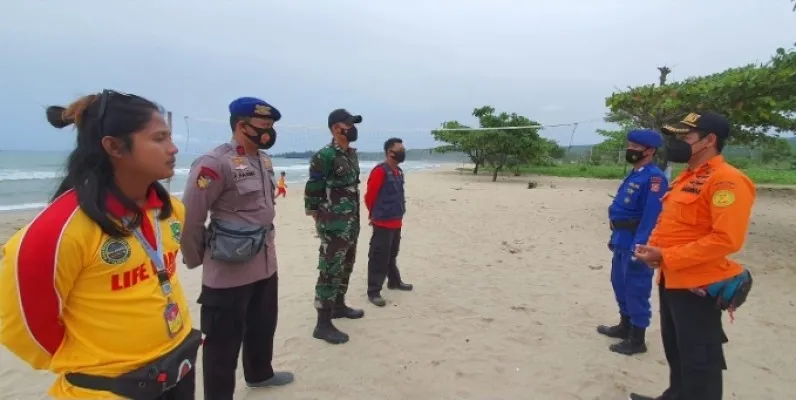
[510,284]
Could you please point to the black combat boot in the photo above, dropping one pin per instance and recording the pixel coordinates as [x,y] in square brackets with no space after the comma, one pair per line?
[619,331]
[341,310]
[325,330]
[664,396]
[634,343]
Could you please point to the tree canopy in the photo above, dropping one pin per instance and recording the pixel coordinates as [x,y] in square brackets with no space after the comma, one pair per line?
[495,147]
[757,98]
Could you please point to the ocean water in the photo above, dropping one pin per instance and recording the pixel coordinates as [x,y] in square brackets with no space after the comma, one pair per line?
[28,179]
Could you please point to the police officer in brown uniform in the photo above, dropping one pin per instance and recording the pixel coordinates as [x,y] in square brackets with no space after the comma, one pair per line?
[233,183]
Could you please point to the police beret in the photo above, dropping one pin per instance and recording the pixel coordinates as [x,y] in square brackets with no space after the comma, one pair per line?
[253,107]
[645,137]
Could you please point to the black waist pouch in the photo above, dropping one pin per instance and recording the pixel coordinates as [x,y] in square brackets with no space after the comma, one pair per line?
[151,380]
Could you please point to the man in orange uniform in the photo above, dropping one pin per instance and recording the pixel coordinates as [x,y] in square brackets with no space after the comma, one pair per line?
[704,219]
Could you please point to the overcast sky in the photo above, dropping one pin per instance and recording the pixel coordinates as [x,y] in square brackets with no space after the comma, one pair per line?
[406,66]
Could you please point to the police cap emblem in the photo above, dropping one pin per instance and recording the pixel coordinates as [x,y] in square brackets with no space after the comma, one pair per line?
[115,251]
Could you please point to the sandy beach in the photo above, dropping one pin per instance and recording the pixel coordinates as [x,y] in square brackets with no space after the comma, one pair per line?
[510,284]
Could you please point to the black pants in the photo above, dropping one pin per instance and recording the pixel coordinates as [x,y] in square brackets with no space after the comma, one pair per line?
[692,340]
[384,246]
[185,389]
[230,317]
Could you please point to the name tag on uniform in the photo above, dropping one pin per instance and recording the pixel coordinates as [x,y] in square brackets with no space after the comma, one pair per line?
[173,318]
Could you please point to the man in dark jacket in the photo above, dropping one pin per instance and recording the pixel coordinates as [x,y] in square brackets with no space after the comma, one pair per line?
[386,204]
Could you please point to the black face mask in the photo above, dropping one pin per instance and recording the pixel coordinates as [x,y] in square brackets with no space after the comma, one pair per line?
[678,151]
[633,156]
[399,156]
[257,139]
[351,134]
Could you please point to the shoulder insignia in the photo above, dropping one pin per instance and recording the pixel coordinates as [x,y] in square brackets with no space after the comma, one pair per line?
[723,198]
[205,177]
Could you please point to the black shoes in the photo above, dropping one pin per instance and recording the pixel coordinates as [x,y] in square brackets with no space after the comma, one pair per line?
[406,287]
[633,344]
[632,337]
[377,300]
[341,310]
[325,330]
[619,331]
[279,379]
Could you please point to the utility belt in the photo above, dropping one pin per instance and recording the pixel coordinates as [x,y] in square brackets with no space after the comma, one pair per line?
[236,243]
[624,225]
[151,380]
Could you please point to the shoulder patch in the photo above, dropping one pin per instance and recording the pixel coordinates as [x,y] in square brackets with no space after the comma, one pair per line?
[206,176]
[723,198]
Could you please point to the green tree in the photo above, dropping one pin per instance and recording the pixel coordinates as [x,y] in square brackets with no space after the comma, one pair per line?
[608,150]
[510,147]
[776,151]
[556,152]
[458,138]
[757,98]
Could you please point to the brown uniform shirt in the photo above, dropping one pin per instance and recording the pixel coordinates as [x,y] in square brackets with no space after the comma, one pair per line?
[231,186]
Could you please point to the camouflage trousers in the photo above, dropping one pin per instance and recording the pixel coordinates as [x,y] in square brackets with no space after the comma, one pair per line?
[336,258]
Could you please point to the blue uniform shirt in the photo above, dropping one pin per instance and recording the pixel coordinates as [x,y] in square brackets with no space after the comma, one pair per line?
[639,199]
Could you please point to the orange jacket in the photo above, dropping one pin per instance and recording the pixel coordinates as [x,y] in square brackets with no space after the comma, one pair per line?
[704,219]
[73,299]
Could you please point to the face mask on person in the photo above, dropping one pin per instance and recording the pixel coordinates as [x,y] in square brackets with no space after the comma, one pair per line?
[351,134]
[399,156]
[260,132]
[633,156]
[680,151]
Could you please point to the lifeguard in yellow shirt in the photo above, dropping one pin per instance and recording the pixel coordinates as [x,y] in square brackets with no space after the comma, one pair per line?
[89,289]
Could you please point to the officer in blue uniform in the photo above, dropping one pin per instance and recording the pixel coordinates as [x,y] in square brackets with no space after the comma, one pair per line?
[632,216]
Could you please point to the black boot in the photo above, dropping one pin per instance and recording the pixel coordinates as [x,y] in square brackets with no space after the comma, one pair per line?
[634,396]
[619,331]
[341,310]
[634,343]
[324,329]
[406,287]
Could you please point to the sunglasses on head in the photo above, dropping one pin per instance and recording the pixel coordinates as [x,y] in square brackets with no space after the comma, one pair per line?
[109,96]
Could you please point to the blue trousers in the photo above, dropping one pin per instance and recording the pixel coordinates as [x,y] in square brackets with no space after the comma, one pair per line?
[632,282]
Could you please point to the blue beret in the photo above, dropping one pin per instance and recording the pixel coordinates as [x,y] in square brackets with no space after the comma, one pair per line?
[253,107]
[645,137]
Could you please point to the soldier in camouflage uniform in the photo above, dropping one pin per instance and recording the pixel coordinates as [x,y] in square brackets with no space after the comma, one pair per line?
[331,197]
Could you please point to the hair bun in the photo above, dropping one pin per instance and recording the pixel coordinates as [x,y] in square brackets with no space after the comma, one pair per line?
[55,116]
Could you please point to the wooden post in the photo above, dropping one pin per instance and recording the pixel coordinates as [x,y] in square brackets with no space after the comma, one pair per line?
[171,128]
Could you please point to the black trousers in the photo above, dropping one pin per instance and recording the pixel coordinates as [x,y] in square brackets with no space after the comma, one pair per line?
[384,246]
[692,340]
[244,315]
[185,389]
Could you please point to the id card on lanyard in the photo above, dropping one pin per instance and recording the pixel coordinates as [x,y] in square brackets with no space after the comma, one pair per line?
[171,313]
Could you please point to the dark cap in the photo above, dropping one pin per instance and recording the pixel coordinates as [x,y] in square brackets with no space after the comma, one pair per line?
[707,122]
[252,107]
[341,115]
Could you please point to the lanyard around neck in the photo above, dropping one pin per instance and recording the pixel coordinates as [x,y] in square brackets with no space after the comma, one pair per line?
[155,254]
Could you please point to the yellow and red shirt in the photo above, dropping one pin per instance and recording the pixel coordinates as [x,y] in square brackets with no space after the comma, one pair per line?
[73,299]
